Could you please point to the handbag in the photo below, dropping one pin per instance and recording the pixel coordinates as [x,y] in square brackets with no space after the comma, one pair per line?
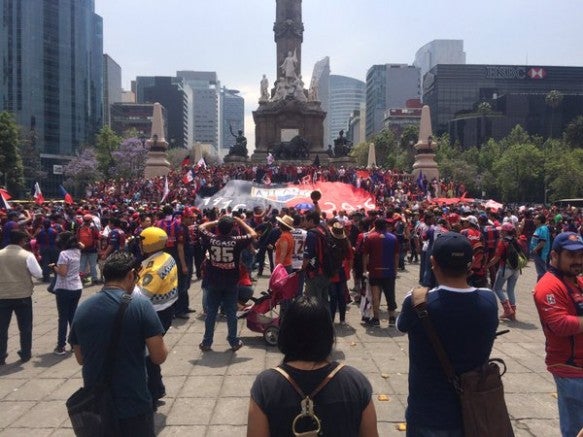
[91,409]
[481,392]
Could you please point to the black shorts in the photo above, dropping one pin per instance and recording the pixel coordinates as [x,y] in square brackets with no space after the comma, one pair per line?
[384,283]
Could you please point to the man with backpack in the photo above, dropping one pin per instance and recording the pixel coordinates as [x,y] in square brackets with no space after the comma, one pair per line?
[507,255]
[316,265]
[471,230]
[380,260]
[88,236]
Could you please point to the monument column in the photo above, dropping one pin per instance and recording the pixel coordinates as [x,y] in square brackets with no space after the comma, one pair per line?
[288,32]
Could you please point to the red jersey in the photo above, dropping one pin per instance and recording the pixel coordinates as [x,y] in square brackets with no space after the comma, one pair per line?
[559,307]
[381,249]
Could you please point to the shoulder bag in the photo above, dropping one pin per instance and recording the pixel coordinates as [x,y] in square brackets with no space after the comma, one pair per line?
[91,409]
[481,393]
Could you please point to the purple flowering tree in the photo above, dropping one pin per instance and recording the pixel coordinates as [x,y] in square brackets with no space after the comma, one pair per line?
[129,160]
[82,171]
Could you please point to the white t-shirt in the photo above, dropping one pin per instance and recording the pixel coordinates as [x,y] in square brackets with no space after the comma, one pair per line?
[299,242]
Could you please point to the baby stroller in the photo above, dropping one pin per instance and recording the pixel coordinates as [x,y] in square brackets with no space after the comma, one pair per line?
[262,315]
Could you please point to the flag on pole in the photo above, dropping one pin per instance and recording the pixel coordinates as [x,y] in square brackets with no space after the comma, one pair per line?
[166,190]
[420,180]
[185,162]
[68,198]
[38,195]
[5,193]
[201,163]
[188,177]
[5,203]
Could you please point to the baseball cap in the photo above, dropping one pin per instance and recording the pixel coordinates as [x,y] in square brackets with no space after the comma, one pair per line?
[453,251]
[568,241]
[471,219]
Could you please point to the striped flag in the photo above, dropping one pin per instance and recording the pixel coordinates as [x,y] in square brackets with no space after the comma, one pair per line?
[38,195]
[5,203]
[188,177]
[68,198]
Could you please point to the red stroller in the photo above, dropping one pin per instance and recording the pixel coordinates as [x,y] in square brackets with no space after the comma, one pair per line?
[262,315]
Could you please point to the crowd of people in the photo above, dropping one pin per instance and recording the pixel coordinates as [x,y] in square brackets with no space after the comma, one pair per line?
[122,236]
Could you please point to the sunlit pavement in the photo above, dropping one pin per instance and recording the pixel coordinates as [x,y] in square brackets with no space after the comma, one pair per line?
[208,393]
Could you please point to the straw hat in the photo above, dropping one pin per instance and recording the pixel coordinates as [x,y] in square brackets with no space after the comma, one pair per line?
[286,220]
[338,231]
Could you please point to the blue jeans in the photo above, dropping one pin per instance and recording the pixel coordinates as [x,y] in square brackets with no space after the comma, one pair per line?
[89,264]
[23,310]
[508,276]
[225,297]
[570,401]
[422,431]
[67,301]
[541,267]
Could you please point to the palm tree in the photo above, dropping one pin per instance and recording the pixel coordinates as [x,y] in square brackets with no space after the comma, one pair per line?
[553,99]
[484,109]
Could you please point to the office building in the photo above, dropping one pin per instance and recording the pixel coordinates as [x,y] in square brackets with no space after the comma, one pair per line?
[171,93]
[51,58]
[357,125]
[346,96]
[126,117]
[388,86]
[439,51]
[204,87]
[398,119]
[112,90]
[321,83]
[515,95]
[232,116]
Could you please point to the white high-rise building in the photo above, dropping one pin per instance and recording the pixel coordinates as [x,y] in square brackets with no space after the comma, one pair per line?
[439,51]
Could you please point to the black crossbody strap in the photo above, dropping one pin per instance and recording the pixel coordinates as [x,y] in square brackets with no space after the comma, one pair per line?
[108,364]
[419,300]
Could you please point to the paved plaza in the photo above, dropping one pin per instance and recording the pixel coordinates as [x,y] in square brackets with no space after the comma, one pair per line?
[208,394]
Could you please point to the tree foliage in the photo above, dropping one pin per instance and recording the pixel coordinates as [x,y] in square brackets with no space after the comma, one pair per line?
[82,171]
[129,159]
[10,159]
[574,132]
[106,143]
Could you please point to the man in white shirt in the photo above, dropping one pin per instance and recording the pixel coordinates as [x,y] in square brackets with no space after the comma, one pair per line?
[299,236]
[17,268]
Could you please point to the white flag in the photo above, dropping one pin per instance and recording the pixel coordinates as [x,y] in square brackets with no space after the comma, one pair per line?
[201,163]
[166,190]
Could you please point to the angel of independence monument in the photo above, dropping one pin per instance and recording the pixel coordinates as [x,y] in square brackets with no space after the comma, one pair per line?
[289,121]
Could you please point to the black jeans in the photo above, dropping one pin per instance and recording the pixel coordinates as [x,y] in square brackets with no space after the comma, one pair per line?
[142,426]
[23,310]
[155,384]
[67,301]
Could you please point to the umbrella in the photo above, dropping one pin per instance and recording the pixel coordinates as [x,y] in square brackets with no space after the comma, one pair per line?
[304,205]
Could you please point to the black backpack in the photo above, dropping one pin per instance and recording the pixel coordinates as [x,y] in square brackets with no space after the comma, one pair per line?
[333,252]
[513,253]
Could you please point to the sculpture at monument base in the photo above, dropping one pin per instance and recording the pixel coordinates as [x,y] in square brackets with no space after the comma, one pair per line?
[342,146]
[156,161]
[297,148]
[240,146]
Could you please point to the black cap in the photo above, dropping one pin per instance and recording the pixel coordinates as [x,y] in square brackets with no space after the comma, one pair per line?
[452,251]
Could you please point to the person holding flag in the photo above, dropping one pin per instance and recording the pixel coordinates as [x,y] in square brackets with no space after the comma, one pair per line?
[38,195]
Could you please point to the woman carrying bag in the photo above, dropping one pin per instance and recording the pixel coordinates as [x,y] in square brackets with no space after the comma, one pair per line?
[68,285]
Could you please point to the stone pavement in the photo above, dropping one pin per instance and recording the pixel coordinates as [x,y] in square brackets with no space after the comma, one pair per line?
[208,394]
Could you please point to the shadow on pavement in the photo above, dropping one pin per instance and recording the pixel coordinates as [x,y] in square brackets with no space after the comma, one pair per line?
[219,359]
[9,369]
[50,359]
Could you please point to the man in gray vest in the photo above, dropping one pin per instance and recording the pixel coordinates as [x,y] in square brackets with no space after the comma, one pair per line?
[17,267]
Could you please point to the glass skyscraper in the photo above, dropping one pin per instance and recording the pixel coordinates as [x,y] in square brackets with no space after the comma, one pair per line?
[346,96]
[51,58]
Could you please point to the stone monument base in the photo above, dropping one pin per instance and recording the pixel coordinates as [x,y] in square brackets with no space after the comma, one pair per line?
[425,162]
[156,165]
[236,160]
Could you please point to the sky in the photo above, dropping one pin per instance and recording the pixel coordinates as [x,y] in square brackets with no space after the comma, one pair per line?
[235,37]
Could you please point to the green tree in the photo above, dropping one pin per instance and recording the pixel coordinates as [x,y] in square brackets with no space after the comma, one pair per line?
[565,175]
[484,109]
[574,132]
[360,154]
[553,99]
[409,137]
[516,136]
[10,159]
[386,150]
[106,143]
[519,173]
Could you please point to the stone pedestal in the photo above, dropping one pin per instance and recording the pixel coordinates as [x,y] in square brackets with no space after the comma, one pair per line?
[156,161]
[346,161]
[425,162]
[425,149]
[156,164]
[287,116]
[235,160]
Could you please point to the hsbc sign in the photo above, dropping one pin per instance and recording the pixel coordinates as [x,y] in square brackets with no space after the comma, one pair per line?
[507,72]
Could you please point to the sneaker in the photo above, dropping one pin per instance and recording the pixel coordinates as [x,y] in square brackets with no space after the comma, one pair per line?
[392,320]
[374,322]
[237,346]
[24,358]
[203,347]
[60,350]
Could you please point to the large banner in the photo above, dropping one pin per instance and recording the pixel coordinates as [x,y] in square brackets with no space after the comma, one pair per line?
[246,195]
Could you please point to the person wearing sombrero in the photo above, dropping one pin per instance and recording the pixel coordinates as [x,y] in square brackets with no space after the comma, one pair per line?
[284,246]
[337,287]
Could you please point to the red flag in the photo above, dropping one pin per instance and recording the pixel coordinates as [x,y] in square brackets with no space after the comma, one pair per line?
[363,174]
[186,161]
[5,203]
[5,193]
[38,195]
[68,198]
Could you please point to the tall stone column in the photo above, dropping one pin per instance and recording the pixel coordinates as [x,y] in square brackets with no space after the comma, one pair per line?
[156,161]
[288,32]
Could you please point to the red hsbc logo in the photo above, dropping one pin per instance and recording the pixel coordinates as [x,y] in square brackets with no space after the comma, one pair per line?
[537,73]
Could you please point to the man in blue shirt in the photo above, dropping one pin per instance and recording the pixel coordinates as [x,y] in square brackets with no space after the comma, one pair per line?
[141,330]
[465,319]
[540,245]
